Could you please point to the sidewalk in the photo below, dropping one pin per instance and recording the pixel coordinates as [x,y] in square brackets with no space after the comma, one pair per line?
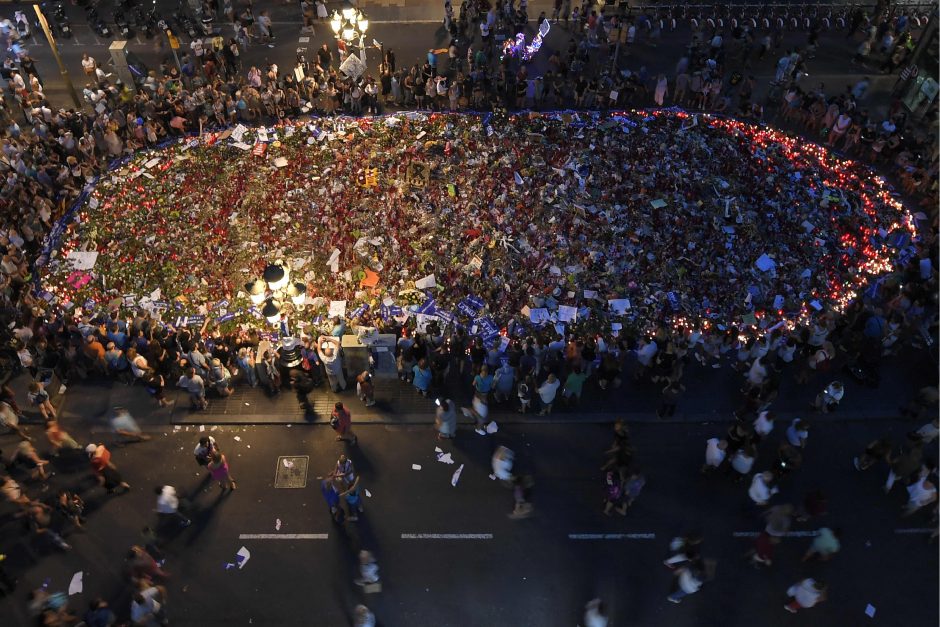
[711,396]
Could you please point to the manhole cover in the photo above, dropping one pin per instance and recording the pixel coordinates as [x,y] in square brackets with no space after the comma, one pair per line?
[291,472]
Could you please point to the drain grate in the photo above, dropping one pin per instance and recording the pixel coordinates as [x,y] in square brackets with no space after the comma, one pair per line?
[291,471]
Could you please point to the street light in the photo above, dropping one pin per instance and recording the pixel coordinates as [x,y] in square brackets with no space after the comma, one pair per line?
[349,25]
[271,310]
[274,289]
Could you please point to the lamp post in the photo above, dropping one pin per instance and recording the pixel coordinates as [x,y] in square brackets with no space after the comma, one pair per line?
[41,18]
[275,290]
[351,24]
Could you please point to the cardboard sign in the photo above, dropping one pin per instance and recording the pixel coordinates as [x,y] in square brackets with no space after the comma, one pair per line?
[418,174]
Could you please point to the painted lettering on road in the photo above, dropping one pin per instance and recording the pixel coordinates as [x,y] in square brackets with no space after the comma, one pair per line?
[283,536]
[447,536]
[611,536]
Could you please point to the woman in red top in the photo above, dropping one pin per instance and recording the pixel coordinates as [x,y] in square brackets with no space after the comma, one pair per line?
[106,472]
[341,421]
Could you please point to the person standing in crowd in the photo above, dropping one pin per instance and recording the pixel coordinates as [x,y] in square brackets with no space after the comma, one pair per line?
[365,389]
[670,398]
[329,350]
[547,392]
[196,388]
[445,419]
[219,471]
[204,450]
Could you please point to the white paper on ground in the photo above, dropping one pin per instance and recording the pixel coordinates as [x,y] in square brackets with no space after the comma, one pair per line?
[492,427]
[333,261]
[242,557]
[337,308]
[456,477]
[445,458]
[870,610]
[237,438]
[277,524]
[75,586]
[567,313]
[82,260]
[368,494]
[416,466]
[619,305]
[425,283]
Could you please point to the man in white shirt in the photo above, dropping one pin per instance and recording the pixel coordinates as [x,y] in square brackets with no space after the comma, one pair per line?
[168,505]
[805,594]
[764,424]
[485,32]
[197,48]
[88,64]
[715,452]
[688,581]
[146,609]
[761,489]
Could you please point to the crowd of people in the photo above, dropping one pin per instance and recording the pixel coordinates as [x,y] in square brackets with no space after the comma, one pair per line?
[497,261]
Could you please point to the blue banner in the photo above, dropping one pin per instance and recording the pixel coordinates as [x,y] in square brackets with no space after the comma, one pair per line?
[390,311]
[429,307]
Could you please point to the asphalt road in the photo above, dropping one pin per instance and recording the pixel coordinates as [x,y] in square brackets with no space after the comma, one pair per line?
[411,29]
[510,572]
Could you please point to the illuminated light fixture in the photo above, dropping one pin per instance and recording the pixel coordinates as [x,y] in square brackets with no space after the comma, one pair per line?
[256,291]
[297,293]
[350,24]
[271,311]
[276,276]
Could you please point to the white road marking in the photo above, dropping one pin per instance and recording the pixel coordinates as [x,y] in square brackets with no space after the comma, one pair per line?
[914,530]
[283,536]
[611,536]
[447,536]
[789,534]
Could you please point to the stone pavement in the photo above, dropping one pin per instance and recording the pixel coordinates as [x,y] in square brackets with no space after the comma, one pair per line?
[711,395]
